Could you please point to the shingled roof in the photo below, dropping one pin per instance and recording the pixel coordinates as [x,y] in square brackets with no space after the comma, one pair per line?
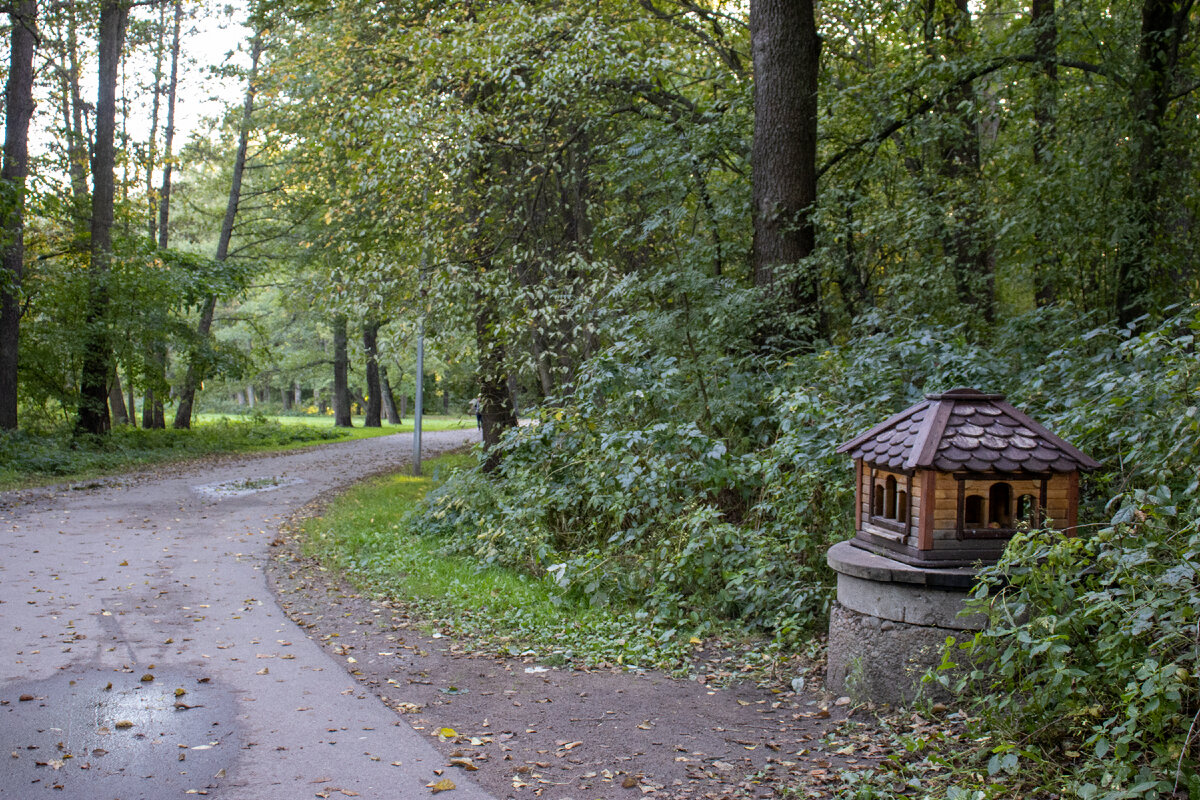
[965,429]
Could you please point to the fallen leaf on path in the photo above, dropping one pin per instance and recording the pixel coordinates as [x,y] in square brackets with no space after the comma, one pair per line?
[444,785]
[123,724]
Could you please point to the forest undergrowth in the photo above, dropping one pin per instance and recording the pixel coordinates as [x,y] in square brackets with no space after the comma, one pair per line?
[1087,682]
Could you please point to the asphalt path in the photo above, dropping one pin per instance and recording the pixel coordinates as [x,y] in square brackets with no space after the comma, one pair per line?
[142,654]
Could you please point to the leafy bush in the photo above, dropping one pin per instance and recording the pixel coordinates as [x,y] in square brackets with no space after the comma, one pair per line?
[1086,683]
[1091,662]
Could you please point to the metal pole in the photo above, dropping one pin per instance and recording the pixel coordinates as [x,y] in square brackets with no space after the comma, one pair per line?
[419,396]
[420,393]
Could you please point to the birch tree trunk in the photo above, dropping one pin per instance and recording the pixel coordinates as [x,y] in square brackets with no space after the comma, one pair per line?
[195,369]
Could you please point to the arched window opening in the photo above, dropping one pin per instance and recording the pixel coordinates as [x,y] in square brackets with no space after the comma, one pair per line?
[878,509]
[889,510]
[1000,506]
[902,506]
[973,511]
[1026,509]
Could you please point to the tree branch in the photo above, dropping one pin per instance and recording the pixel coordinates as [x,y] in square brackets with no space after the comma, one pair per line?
[884,133]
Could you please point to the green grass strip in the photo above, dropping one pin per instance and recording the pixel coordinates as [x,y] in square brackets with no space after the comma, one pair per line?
[365,534]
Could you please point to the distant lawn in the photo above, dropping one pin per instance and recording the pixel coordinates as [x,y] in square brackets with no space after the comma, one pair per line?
[428,423]
[36,458]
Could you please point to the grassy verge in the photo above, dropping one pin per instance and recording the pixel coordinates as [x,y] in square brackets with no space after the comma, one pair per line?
[35,458]
[365,535]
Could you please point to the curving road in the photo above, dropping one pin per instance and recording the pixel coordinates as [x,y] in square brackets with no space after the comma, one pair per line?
[143,656]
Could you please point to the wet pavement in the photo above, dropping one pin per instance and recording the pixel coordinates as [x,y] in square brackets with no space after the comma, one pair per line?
[143,656]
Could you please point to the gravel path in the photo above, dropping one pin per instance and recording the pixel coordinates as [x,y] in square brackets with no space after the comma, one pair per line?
[142,654]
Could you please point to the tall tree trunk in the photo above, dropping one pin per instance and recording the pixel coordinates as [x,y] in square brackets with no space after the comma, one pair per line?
[341,370]
[152,144]
[116,400]
[97,351]
[1139,278]
[195,368]
[1044,20]
[132,400]
[389,399]
[164,200]
[148,403]
[374,393]
[18,110]
[156,386]
[495,404]
[786,51]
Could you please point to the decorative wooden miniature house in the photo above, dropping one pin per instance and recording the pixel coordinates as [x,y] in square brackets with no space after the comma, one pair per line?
[947,482]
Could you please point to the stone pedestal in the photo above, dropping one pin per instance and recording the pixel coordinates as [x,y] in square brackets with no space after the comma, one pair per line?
[890,623]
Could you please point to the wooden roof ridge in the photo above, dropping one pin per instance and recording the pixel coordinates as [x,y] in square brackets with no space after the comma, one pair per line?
[883,426]
[930,436]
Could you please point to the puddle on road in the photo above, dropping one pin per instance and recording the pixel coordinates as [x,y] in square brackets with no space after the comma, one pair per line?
[245,486]
[108,733]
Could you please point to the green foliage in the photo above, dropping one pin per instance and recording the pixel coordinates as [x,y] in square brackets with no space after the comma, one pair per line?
[1091,663]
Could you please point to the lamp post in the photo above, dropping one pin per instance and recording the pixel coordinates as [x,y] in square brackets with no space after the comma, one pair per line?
[420,393]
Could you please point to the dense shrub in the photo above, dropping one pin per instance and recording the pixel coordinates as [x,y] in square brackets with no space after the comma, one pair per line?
[1089,673]
[1090,668]
[645,487]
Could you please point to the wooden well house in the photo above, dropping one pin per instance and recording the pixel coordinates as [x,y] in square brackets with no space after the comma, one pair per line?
[948,481]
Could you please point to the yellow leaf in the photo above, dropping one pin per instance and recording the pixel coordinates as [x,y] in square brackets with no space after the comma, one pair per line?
[444,785]
[695,640]
[447,733]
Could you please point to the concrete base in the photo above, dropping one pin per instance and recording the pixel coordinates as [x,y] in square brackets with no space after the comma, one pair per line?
[890,624]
